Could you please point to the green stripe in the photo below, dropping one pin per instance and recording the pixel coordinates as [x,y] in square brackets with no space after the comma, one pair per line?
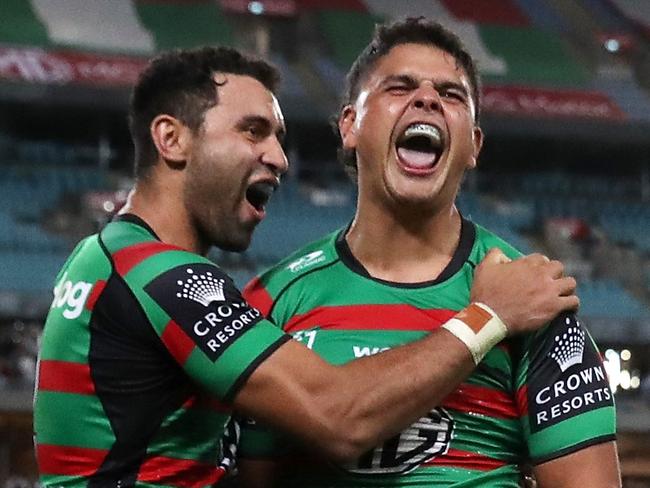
[20,24]
[347,32]
[218,378]
[56,481]
[118,235]
[74,407]
[590,425]
[182,435]
[552,63]
[505,436]
[185,26]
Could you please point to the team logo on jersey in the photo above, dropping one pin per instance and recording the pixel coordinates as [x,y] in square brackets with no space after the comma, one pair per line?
[310,259]
[569,347]
[205,303]
[566,375]
[426,439]
[203,288]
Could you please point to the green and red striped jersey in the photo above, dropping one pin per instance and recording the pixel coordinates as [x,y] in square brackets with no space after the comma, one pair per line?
[531,399]
[144,346]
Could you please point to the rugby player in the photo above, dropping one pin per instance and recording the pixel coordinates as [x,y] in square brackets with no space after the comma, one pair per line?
[409,126]
[148,345]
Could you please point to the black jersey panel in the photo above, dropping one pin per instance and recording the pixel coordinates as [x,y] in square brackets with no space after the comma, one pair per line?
[136,380]
[204,301]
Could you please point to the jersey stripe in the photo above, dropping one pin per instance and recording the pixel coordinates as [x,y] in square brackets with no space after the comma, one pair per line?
[179,472]
[480,400]
[176,341]
[370,317]
[94,294]
[125,259]
[64,376]
[466,460]
[83,461]
[69,460]
[257,296]
[522,399]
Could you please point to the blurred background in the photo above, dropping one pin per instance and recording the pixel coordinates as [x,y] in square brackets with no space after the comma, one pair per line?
[565,168]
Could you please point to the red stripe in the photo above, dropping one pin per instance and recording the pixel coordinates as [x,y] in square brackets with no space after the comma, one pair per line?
[80,461]
[127,258]
[94,294]
[483,401]
[466,460]
[205,402]
[177,342]
[255,294]
[64,376]
[522,400]
[69,461]
[179,472]
[377,317]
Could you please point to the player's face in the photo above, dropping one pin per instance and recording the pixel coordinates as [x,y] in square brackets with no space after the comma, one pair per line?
[236,162]
[412,127]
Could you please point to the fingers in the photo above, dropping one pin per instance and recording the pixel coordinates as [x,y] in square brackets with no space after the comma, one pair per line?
[570,303]
[566,285]
[495,256]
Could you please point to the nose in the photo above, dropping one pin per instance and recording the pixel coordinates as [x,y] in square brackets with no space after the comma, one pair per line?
[427,98]
[274,157]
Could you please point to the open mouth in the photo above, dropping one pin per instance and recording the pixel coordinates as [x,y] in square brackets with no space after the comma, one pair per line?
[420,146]
[258,194]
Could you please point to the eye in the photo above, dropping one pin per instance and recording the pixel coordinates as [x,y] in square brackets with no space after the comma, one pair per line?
[254,131]
[399,89]
[454,94]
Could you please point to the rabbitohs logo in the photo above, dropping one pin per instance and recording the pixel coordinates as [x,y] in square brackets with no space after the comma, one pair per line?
[427,438]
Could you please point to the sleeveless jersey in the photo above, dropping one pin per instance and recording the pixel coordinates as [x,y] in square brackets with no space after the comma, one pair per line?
[144,346]
[531,399]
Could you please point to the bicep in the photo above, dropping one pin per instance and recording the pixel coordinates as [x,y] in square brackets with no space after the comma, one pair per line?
[594,467]
[288,390]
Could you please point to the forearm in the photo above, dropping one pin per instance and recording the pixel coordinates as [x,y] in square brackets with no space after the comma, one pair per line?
[346,410]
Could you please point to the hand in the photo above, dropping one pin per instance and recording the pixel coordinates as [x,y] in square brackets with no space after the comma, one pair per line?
[525,293]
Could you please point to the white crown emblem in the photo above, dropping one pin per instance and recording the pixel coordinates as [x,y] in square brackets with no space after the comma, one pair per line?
[203,289]
[569,346]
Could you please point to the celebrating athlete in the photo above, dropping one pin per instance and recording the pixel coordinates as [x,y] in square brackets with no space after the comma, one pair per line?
[402,268]
[148,346]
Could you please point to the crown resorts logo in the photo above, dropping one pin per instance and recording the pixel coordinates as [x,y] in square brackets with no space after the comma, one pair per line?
[569,347]
[203,288]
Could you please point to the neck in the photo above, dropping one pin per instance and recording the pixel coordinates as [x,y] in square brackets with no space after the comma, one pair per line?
[408,247]
[159,202]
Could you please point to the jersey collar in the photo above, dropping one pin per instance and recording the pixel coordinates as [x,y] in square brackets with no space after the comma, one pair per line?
[461,255]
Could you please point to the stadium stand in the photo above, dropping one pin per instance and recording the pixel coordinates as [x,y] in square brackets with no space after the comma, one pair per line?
[532,53]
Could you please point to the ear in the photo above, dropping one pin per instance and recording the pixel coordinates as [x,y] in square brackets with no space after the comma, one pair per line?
[347,128]
[477,142]
[172,139]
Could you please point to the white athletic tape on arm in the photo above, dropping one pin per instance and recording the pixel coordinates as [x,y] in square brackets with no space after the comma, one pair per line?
[479,328]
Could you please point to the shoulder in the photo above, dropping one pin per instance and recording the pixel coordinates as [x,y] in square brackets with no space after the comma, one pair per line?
[486,240]
[307,261]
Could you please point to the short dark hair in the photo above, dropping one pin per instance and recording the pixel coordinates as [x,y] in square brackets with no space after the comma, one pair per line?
[180,83]
[415,30]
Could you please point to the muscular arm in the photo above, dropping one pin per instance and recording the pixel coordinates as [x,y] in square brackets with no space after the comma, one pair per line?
[348,409]
[593,467]
[345,410]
